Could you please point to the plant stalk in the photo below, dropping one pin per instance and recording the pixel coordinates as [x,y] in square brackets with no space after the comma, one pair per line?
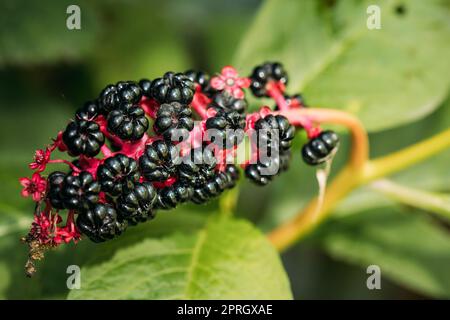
[357,172]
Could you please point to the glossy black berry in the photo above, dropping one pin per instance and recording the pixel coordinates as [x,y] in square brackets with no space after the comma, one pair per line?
[89,111]
[262,74]
[128,122]
[136,205]
[227,102]
[55,184]
[83,137]
[158,163]
[271,126]
[226,128]
[80,192]
[202,79]
[145,86]
[118,174]
[113,96]
[173,87]
[100,223]
[212,188]
[233,174]
[221,181]
[197,167]
[267,168]
[169,197]
[173,121]
[254,172]
[320,149]
[285,160]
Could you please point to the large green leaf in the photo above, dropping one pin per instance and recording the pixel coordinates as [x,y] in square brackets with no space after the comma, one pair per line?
[386,77]
[409,247]
[50,279]
[36,32]
[225,260]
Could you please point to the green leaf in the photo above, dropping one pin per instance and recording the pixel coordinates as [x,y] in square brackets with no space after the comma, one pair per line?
[428,201]
[36,32]
[409,247]
[386,77]
[50,279]
[431,174]
[13,220]
[225,260]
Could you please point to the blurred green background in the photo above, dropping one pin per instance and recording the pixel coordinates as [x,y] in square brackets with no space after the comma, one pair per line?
[395,79]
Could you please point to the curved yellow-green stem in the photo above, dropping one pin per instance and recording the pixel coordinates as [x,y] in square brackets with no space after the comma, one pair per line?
[359,170]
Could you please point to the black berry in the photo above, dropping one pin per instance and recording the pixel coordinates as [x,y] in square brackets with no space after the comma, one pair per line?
[145,86]
[262,74]
[54,184]
[83,137]
[202,79]
[136,205]
[158,163]
[122,92]
[197,167]
[285,160]
[233,174]
[265,170]
[169,197]
[128,122]
[213,187]
[226,128]
[80,192]
[216,185]
[319,149]
[88,112]
[173,87]
[227,102]
[100,223]
[118,174]
[254,173]
[270,126]
[173,120]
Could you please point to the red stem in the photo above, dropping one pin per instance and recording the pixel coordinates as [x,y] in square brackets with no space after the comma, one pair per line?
[103,128]
[70,164]
[303,119]
[106,151]
[200,104]
[150,107]
[275,92]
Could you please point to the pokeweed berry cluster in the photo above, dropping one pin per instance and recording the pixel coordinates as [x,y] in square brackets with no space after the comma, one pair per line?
[145,146]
